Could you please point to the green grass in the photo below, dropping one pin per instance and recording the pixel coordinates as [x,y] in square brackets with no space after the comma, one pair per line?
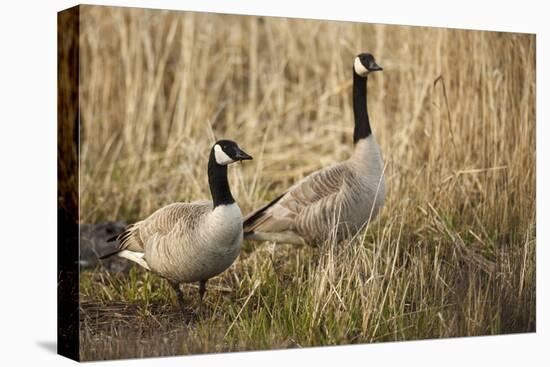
[299,297]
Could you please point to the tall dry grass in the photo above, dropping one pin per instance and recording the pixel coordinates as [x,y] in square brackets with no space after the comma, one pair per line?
[453,251]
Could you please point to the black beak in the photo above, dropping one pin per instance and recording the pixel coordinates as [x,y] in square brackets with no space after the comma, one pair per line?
[241,155]
[374,66]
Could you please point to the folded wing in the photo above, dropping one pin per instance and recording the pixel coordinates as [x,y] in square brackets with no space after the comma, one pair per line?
[166,220]
[283,213]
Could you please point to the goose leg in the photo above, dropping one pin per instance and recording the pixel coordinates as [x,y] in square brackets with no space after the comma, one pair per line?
[179,296]
[202,291]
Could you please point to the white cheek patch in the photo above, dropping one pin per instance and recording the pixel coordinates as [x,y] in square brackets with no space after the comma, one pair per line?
[221,157]
[359,68]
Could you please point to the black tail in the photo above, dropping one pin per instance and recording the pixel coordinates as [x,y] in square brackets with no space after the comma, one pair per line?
[109,254]
[121,237]
[250,219]
[113,251]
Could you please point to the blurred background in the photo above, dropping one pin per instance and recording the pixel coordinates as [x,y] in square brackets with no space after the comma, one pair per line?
[453,251]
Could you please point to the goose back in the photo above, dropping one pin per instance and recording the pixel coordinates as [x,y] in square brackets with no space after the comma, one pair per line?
[187,242]
[335,201]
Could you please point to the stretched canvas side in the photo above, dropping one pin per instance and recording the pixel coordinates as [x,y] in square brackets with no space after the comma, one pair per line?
[67,176]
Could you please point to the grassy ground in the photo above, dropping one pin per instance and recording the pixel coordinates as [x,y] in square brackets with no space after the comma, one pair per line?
[453,251]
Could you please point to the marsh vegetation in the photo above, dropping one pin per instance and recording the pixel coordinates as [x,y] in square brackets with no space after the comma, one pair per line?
[451,254]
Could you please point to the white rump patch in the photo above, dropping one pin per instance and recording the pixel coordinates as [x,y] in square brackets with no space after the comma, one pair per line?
[359,67]
[221,157]
[136,257]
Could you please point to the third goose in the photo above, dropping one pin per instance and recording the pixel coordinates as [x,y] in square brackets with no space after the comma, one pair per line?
[348,194]
[190,242]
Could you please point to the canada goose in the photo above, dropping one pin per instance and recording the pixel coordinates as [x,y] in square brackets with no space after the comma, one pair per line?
[190,242]
[349,193]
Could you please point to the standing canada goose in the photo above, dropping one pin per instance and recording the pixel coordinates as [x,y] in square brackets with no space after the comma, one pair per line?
[190,242]
[343,197]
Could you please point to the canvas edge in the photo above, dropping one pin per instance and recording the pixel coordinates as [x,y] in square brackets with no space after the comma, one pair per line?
[68,54]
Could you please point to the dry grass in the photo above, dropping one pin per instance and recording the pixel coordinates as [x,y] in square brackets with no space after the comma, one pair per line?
[453,252]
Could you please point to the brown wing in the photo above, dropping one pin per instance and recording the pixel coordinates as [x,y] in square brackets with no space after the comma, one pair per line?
[280,214]
[160,223]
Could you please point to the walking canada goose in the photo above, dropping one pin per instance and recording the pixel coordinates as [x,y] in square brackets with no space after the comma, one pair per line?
[337,200]
[190,242]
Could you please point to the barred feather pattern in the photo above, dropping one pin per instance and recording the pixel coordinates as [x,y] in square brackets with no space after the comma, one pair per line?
[334,202]
[187,242]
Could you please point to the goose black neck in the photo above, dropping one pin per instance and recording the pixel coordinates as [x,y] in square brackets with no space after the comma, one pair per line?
[362,124]
[217,180]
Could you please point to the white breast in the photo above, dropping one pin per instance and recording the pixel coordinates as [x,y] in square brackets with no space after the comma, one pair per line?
[221,240]
[225,221]
[366,158]
[367,163]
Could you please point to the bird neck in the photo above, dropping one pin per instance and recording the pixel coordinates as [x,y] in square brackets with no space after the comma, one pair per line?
[362,124]
[217,180]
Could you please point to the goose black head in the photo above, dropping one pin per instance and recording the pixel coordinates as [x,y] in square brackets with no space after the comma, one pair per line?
[365,64]
[227,152]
